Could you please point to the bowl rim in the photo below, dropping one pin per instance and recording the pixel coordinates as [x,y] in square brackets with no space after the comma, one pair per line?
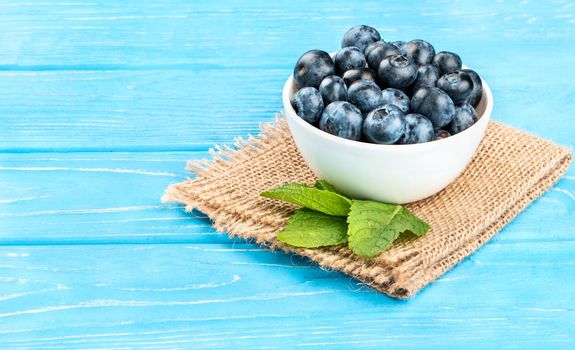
[320,133]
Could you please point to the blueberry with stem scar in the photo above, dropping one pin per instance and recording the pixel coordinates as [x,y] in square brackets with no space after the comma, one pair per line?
[397,71]
[458,85]
[384,125]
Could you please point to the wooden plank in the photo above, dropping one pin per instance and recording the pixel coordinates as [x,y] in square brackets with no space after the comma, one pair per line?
[260,33]
[165,76]
[177,76]
[192,110]
[134,110]
[48,198]
[176,296]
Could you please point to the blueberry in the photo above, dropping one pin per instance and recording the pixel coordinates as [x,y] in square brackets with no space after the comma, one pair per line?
[447,62]
[477,91]
[312,67]
[418,129]
[333,89]
[353,75]
[384,125]
[465,116]
[342,119]
[402,46]
[372,46]
[397,98]
[427,75]
[360,36]
[365,94]
[420,51]
[435,104]
[441,134]
[348,58]
[308,104]
[397,71]
[376,52]
[458,85]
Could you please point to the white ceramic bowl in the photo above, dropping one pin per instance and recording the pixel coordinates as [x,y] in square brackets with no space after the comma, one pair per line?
[386,173]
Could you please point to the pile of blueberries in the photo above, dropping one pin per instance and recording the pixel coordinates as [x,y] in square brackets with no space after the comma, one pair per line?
[426,96]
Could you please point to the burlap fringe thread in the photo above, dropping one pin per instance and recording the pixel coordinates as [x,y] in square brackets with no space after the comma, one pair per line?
[509,170]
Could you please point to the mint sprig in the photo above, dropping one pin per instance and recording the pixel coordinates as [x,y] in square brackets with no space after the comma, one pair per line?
[373,226]
[322,200]
[370,228]
[312,229]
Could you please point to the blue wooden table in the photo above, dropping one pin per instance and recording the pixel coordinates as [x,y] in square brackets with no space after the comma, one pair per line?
[101,104]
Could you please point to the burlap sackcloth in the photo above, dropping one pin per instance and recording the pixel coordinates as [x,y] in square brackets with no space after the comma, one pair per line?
[509,170]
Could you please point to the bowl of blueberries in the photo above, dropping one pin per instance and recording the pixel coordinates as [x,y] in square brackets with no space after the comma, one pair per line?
[389,121]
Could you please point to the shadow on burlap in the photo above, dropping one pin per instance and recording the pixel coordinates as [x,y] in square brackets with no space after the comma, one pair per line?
[509,170]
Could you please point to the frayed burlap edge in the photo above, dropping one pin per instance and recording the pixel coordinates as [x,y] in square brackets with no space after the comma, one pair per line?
[387,277]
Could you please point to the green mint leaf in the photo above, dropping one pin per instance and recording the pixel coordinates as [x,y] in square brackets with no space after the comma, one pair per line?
[373,226]
[368,231]
[407,221]
[324,185]
[327,202]
[312,229]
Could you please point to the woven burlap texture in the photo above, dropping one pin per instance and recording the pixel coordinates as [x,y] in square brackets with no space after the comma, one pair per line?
[509,170]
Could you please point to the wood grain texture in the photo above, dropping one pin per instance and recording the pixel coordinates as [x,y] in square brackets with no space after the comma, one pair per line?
[178,296]
[150,110]
[100,74]
[113,197]
[102,103]
[49,198]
